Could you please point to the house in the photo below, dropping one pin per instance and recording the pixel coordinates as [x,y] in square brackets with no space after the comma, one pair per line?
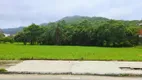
[6,35]
[140,24]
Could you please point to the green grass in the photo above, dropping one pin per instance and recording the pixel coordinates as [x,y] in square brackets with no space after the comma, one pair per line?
[22,52]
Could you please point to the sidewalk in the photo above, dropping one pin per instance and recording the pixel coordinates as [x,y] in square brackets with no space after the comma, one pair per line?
[78,67]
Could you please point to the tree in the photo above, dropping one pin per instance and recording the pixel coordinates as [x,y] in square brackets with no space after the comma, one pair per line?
[30,34]
[1,35]
[115,33]
[21,37]
[95,31]
[33,33]
[59,32]
[8,39]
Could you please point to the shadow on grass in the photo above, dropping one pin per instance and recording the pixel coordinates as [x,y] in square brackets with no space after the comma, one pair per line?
[21,44]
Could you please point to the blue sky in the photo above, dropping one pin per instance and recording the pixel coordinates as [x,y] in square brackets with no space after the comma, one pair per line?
[15,13]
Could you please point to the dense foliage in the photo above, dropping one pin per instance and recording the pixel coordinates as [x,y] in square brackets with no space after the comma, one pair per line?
[4,39]
[1,35]
[94,31]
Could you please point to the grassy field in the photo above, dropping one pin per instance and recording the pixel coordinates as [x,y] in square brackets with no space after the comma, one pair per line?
[22,52]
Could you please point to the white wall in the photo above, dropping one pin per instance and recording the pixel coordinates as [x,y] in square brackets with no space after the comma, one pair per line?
[6,35]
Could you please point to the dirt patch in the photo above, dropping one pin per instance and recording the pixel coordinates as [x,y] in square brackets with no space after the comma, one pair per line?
[130,68]
[8,63]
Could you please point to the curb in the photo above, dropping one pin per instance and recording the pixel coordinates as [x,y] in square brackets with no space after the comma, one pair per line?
[70,73]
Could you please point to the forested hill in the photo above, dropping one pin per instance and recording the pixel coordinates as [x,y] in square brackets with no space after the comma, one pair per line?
[73,20]
[97,20]
[77,19]
[12,30]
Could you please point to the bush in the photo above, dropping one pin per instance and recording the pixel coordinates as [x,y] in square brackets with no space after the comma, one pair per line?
[3,70]
[105,43]
[6,39]
[127,43]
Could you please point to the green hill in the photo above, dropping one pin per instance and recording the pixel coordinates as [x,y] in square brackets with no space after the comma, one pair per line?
[96,21]
[12,30]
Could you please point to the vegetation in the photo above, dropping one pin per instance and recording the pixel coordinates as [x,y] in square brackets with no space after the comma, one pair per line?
[4,39]
[86,31]
[1,35]
[9,39]
[75,37]
[17,51]
[3,70]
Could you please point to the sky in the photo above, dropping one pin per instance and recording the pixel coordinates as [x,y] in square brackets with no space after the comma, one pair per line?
[15,13]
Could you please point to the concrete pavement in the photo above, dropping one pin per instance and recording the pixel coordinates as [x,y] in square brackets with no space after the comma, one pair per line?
[64,77]
[78,67]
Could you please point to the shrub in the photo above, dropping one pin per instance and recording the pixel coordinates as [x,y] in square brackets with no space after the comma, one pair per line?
[3,70]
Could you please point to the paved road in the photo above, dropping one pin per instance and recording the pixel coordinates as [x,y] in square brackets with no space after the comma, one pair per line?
[63,77]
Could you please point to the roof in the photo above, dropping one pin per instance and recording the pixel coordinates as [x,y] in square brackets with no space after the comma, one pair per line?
[140,32]
[140,24]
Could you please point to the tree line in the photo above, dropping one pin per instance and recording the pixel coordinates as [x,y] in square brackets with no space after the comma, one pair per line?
[109,33]
[4,39]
